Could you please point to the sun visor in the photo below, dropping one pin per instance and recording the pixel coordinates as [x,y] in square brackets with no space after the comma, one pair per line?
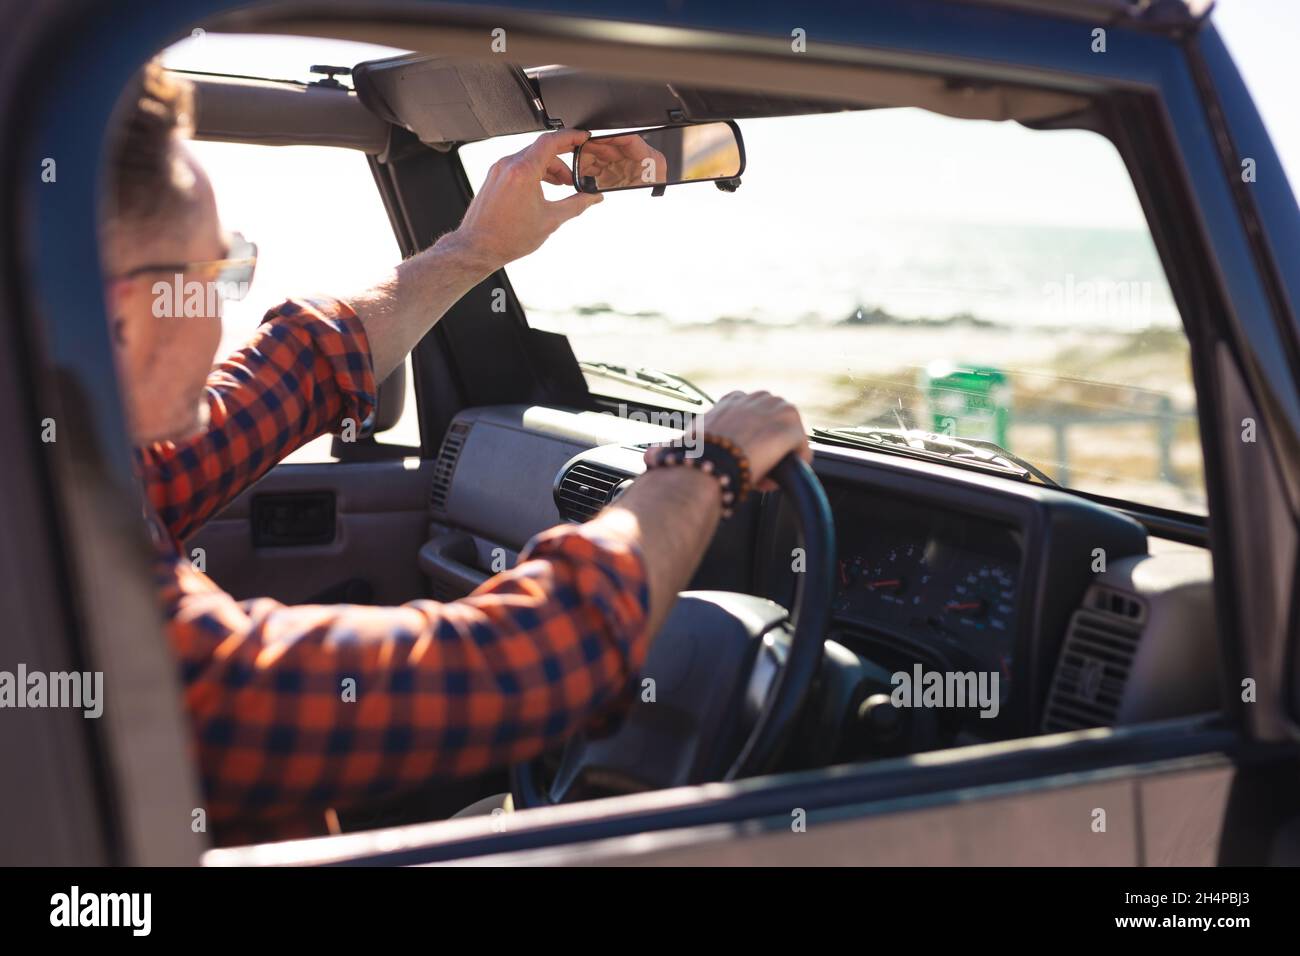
[449,100]
[585,100]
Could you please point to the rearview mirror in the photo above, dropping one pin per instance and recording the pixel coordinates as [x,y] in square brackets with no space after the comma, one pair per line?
[659,157]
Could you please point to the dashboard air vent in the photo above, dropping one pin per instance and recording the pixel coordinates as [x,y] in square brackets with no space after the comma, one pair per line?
[1099,647]
[585,488]
[452,443]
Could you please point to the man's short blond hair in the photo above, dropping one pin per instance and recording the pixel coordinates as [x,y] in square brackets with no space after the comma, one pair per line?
[145,176]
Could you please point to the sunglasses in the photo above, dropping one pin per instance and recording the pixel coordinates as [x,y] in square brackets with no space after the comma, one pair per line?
[234,274]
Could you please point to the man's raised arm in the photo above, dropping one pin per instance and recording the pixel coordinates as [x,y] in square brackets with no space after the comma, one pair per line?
[508,219]
[266,400]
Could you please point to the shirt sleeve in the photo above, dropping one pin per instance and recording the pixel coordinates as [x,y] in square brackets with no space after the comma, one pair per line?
[295,709]
[305,372]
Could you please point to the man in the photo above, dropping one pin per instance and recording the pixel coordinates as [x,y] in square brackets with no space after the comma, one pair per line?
[441,690]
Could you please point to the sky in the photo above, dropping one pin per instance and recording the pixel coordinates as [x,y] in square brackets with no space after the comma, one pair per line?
[903,165]
[917,214]
[1261,34]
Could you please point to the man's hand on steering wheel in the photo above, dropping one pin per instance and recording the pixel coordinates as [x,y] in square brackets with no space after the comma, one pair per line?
[741,665]
[765,427]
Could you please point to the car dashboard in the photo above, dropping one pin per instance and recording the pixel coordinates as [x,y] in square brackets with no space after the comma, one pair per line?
[943,571]
[943,582]
[1061,611]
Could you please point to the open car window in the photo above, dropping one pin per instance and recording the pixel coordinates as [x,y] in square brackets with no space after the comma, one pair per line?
[313,211]
[900,269]
[316,218]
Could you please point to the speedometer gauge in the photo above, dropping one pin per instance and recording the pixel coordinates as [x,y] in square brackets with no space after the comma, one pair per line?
[901,577]
[983,600]
[891,585]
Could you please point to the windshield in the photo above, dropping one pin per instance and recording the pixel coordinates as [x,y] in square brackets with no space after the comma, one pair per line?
[895,268]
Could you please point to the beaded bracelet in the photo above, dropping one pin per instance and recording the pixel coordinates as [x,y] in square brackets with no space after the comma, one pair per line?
[717,456]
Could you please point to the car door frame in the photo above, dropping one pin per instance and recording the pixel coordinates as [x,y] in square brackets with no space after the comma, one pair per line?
[1245,357]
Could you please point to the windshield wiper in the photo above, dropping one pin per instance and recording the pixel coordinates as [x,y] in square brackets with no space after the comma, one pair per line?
[970,452]
[650,379]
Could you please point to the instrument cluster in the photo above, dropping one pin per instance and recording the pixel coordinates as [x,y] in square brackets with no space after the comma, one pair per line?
[945,580]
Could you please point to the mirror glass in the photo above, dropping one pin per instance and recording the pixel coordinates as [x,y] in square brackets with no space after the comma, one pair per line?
[664,156]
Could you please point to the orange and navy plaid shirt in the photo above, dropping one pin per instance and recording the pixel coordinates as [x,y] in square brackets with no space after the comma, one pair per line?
[299,709]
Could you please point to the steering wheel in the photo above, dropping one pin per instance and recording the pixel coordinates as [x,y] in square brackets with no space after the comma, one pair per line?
[723,684]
